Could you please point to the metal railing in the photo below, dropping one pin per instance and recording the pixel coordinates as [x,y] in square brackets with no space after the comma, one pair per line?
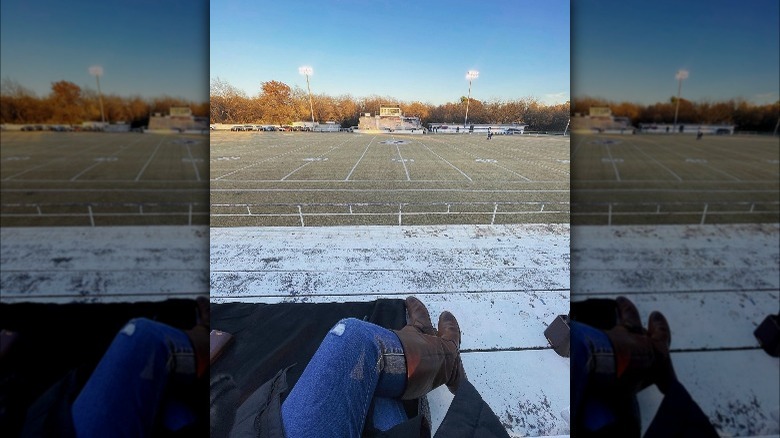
[701,210]
[394,209]
[93,210]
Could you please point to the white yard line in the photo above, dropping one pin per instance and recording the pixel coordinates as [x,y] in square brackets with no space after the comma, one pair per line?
[143,169]
[612,161]
[579,144]
[402,162]
[359,159]
[657,162]
[310,162]
[442,158]
[192,161]
[721,172]
[84,171]
[512,171]
[31,169]
[260,162]
[494,164]
[52,161]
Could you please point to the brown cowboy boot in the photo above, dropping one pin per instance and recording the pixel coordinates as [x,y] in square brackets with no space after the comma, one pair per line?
[432,359]
[661,336]
[633,348]
[199,336]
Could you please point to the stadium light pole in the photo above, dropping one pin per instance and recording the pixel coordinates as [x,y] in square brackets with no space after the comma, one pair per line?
[470,75]
[97,72]
[680,76]
[307,71]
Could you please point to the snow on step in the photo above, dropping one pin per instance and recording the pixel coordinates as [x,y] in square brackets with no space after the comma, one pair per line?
[64,264]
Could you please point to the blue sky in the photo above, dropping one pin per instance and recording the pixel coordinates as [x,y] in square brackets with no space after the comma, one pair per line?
[407,50]
[630,51]
[146,47]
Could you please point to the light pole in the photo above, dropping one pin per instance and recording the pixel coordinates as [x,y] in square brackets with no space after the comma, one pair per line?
[97,72]
[470,75]
[681,74]
[307,71]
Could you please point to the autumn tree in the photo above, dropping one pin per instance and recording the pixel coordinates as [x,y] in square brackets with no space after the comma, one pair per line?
[276,100]
[65,101]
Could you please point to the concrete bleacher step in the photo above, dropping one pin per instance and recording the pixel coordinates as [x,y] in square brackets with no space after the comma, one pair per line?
[87,264]
[523,388]
[503,283]
[651,259]
[285,262]
[715,284]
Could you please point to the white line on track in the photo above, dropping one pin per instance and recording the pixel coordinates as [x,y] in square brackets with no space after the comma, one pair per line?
[192,160]
[612,160]
[705,165]
[724,173]
[656,161]
[580,142]
[494,164]
[52,161]
[260,162]
[310,162]
[85,171]
[358,161]
[143,169]
[402,161]
[442,158]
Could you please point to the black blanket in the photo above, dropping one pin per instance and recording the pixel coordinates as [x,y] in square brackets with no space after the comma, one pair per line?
[269,337]
[54,340]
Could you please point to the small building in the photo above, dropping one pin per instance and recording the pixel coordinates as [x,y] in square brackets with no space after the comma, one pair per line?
[389,119]
[686,128]
[600,119]
[478,128]
[179,119]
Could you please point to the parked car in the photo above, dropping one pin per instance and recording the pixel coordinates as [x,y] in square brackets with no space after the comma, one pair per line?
[237,128]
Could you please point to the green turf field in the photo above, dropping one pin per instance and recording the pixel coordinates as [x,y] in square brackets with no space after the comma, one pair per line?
[674,179]
[82,179]
[322,179]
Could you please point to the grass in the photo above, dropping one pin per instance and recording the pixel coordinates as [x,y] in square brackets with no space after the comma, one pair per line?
[56,179]
[262,179]
[675,179]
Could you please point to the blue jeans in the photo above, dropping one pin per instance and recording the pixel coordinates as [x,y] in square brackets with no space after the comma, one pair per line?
[357,364]
[592,366]
[131,388]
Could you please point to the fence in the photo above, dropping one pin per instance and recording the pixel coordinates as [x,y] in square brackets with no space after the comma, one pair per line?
[119,212]
[400,210]
[751,210]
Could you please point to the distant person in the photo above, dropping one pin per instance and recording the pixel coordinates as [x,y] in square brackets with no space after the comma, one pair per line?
[699,134]
[608,368]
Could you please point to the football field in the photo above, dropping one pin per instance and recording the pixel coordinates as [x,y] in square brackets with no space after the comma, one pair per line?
[674,179]
[83,179]
[323,179]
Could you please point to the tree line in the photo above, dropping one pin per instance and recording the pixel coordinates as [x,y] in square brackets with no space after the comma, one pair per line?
[745,115]
[278,104]
[67,103]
